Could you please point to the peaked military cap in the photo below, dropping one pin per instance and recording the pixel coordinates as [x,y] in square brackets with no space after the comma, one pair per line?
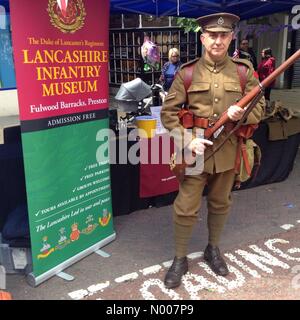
[218,22]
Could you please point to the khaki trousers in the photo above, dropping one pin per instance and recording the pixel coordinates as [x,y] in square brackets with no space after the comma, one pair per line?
[188,200]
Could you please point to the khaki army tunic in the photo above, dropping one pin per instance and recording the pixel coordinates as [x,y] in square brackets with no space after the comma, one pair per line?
[214,87]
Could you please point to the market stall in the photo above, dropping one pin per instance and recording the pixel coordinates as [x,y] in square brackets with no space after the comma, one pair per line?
[125,179]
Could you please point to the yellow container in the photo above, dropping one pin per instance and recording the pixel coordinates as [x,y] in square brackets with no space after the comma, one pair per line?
[146,126]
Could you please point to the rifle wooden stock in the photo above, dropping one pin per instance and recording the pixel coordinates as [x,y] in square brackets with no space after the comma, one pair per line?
[253,93]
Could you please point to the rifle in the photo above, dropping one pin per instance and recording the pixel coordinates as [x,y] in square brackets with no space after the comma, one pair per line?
[249,100]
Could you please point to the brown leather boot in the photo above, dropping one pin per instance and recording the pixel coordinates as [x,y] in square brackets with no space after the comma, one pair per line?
[214,259]
[177,270]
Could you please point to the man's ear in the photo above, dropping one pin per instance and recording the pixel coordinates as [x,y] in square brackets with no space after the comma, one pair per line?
[201,37]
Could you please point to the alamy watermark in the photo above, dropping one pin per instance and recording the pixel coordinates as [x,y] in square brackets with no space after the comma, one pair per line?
[296,18]
[130,148]
[257,30]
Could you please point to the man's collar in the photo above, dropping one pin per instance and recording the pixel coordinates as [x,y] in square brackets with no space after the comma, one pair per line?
[214,66]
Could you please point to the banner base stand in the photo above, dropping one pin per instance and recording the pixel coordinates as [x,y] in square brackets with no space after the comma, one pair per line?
[65,276]
[34,281]
[102,253]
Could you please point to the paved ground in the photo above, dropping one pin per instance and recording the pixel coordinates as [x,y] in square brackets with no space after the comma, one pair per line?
[273,275]
[144,243]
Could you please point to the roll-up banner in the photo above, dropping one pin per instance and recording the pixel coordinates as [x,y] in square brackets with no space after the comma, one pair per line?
[61,60]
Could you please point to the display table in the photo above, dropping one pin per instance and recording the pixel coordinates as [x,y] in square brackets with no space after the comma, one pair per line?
[277,162]
[125,185]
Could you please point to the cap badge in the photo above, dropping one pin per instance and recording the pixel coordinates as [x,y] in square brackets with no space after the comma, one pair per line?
[220,21]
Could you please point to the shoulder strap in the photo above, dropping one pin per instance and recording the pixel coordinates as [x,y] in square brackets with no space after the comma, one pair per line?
[188,76]
[185,115]
[187,79]
[242,72]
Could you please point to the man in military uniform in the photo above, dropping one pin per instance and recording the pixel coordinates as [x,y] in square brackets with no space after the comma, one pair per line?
[215,87]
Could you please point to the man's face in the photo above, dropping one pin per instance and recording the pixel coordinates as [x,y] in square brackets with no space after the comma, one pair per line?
[245,45]
[216,44]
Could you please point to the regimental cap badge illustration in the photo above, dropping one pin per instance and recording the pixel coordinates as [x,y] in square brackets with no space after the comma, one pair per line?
[67,15]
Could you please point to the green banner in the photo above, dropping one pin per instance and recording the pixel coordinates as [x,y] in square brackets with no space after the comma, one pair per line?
[69,195]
